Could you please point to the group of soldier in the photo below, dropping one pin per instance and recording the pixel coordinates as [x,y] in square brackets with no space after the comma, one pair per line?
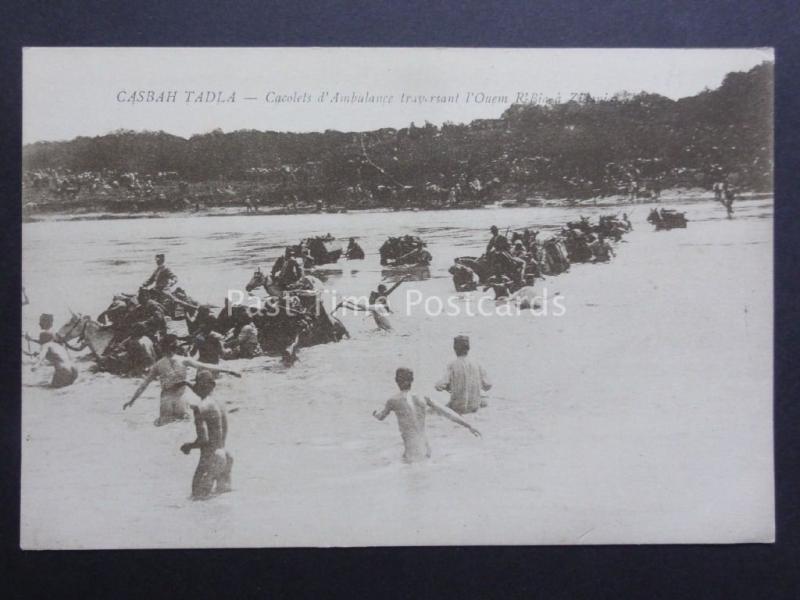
[143,343]
[508,265]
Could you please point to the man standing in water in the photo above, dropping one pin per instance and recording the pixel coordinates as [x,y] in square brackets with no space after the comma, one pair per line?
[380,295]
[500,284]
[170,370]
[354,251]
[64,372]
[410,412]
[377,305]
[464,278]
[464,379]
[211,425]
[46,330]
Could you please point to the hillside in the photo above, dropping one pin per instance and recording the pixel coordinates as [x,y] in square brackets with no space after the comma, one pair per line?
[573,150]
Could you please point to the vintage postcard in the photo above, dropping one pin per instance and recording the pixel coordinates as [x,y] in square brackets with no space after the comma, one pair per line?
[364,297]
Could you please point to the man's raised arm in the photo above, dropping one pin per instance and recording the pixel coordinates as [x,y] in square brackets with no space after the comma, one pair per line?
[450,415]
[396,285]
[213,368]
[151,375]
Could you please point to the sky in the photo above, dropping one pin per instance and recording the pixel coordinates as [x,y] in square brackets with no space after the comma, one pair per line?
[70,92]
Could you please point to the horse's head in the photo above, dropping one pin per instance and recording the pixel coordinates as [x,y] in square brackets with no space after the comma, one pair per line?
[257,280]
[72,328]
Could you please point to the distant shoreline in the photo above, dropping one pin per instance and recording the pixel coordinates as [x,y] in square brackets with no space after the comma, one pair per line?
[668,196]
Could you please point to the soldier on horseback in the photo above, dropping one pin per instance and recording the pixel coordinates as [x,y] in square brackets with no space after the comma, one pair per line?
[287,269]
[162,279]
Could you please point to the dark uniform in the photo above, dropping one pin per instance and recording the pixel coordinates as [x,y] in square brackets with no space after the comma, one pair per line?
[162,279]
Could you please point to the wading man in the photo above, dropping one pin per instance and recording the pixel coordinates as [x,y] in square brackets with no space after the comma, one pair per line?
[410,412]
[211,425]
[464,378]
[171,370]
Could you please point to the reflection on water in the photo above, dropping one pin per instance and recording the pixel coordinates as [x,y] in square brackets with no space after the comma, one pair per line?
[409,273]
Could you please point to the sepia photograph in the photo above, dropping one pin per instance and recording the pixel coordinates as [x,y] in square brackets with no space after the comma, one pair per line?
[350,297]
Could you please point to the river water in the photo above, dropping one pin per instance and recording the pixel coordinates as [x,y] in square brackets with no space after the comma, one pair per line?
[626,419]
[212,255]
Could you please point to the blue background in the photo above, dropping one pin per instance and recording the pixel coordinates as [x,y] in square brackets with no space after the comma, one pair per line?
[747,571]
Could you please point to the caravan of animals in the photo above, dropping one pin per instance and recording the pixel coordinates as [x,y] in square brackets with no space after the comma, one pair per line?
[137,329]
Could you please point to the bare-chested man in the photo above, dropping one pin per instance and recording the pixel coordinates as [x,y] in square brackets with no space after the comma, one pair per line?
[410,412]
[211,424]
[64,372]
[464,379]
[46,330]
[170,370]
[377,306]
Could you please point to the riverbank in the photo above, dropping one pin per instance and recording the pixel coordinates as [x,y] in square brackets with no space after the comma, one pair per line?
[676,195]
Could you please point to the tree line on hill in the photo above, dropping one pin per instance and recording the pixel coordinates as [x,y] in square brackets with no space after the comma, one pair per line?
[573,150]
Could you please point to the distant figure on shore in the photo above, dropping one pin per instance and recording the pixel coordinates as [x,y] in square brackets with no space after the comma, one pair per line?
[24,297]
[655,187]
[730,195]
[162,279]
[464,378]
[211,424]
[410,412]
[354,251]
[171,371]
[633,191]
[717,188]
[65,373]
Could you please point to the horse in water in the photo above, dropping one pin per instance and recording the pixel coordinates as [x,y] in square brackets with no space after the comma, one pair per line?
[407,250]
[292,317]
[105,344]
[88,332]
[259,279]
[306,285]
[667,219]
